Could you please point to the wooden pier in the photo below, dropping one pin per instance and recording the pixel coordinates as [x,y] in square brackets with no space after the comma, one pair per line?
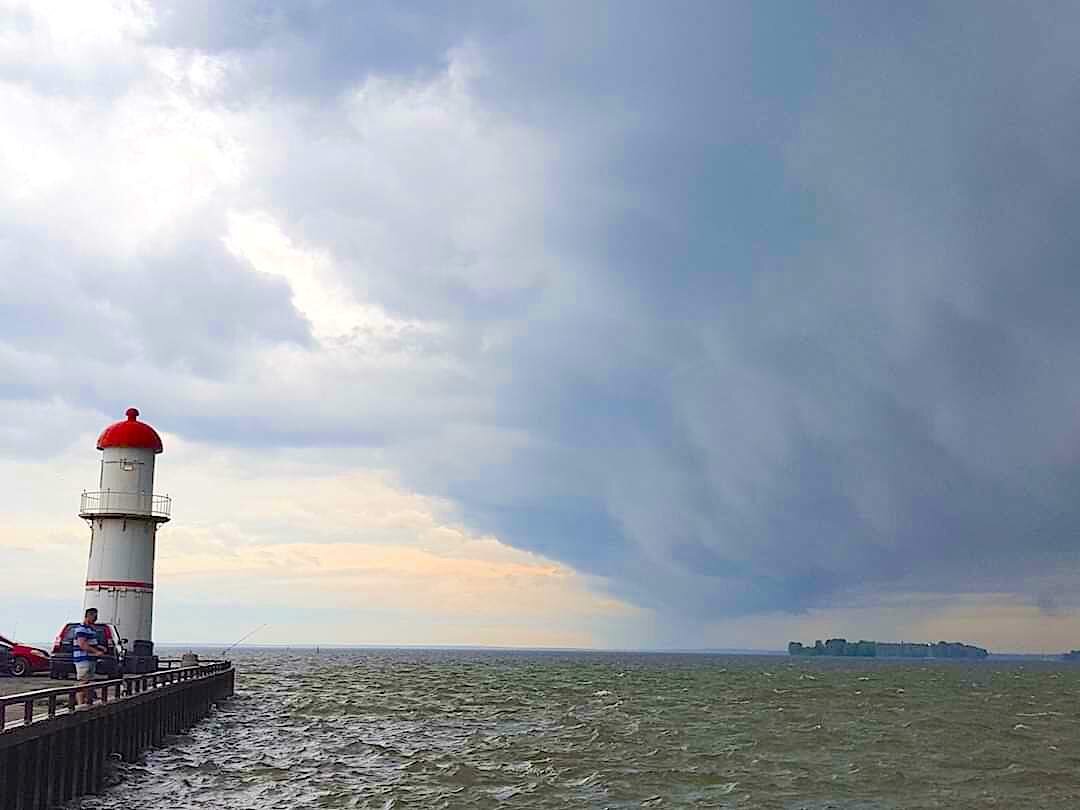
[50,753]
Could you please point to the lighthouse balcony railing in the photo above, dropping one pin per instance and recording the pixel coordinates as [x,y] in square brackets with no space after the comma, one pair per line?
[117,502]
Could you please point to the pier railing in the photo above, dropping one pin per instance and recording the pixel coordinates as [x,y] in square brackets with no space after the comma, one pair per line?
[44,704]
[51,753]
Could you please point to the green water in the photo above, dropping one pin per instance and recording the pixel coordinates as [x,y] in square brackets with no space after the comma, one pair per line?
[397,729]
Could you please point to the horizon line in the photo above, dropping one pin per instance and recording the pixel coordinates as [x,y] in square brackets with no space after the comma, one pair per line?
[749,651]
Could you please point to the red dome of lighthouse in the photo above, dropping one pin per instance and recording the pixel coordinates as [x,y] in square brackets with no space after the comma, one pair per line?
[130,433]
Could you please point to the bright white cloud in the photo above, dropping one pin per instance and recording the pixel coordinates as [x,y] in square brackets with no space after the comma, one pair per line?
[336,317]
[82,39]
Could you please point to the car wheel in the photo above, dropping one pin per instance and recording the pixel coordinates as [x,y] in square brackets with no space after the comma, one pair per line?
[20,667]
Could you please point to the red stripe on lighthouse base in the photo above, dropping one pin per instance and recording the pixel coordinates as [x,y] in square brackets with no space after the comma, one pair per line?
[119,583]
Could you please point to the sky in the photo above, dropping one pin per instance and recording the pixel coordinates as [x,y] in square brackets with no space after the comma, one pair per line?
[614,325]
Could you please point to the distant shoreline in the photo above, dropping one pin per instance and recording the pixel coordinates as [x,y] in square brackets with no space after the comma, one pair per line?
[842,648]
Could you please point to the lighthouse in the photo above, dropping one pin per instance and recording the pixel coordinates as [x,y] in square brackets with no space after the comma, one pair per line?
[124,515]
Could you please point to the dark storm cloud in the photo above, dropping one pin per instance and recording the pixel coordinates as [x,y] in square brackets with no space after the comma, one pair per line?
[794,316]
[845,268]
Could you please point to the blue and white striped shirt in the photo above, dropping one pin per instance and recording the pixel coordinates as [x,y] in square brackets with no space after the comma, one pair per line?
[77,652]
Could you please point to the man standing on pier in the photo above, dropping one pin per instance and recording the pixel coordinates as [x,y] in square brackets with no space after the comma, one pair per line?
[84,653]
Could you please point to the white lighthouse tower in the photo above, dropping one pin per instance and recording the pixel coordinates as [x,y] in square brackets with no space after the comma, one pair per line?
[124,515]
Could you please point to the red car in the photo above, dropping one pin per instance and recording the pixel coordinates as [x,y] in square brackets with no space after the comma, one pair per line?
[27,660]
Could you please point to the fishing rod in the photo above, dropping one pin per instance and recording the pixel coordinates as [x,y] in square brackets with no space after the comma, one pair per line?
[243,638]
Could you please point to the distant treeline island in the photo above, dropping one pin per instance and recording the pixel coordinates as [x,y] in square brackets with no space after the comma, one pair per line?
[841,647]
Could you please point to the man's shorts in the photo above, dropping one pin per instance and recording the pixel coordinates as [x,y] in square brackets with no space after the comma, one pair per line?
[84,670]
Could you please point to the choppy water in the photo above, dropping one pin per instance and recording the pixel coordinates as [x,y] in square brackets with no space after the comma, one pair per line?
[435,729]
